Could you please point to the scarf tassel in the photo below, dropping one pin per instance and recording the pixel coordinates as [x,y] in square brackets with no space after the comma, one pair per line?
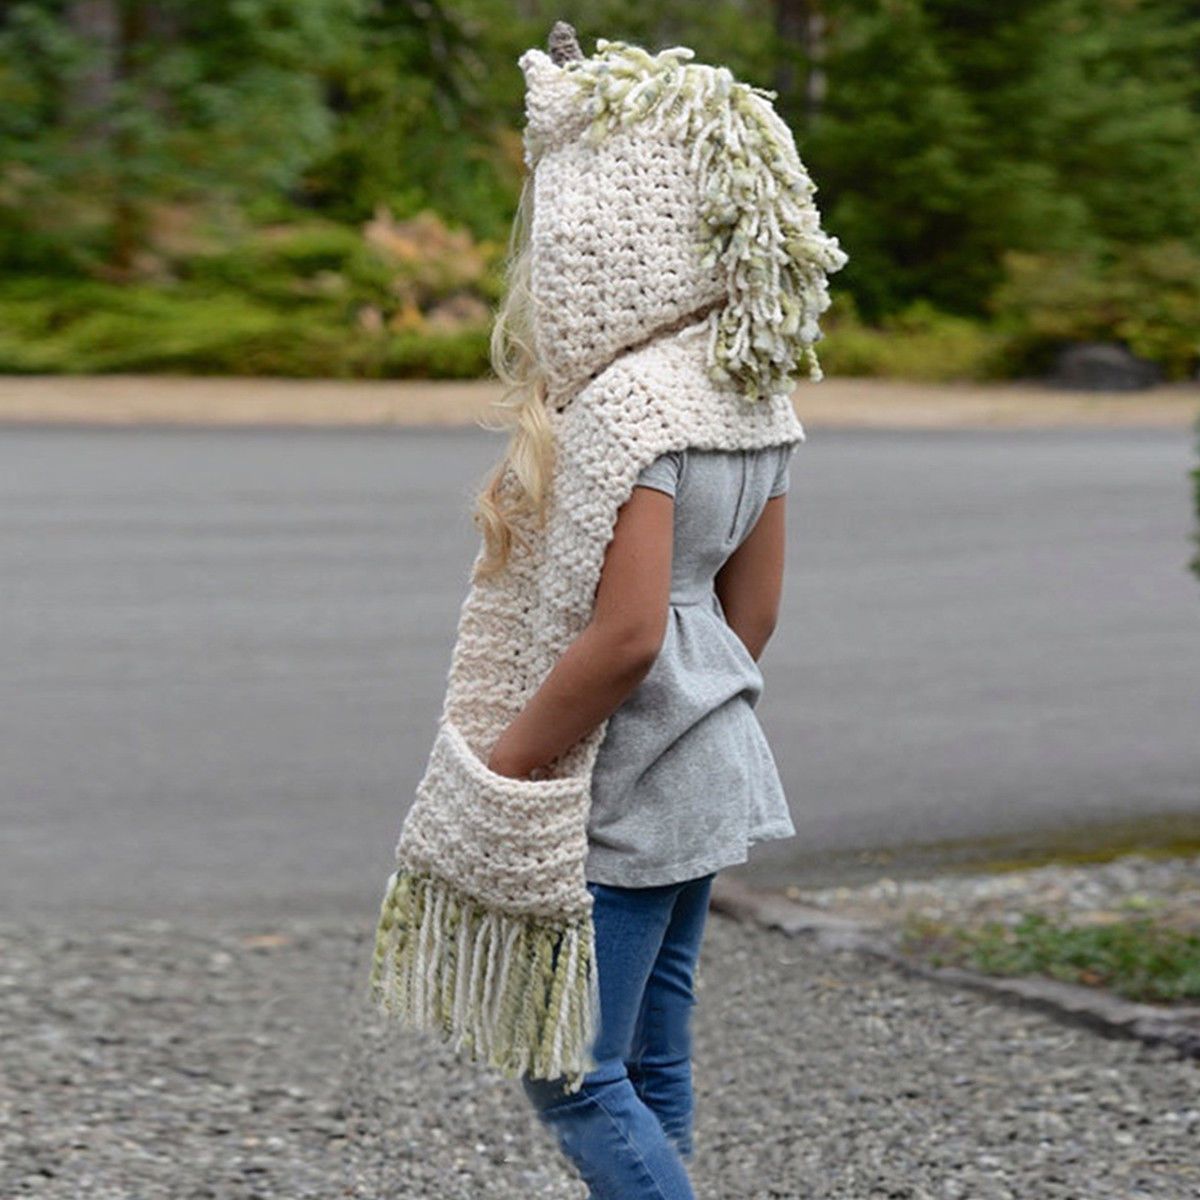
[517,992]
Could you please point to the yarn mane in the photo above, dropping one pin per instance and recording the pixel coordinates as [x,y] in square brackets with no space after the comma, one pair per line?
[758,218]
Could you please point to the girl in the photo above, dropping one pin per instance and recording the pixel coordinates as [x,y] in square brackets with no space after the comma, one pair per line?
[598,759]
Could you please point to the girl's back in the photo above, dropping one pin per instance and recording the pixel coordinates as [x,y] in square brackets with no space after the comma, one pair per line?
[608,679]
[684,781]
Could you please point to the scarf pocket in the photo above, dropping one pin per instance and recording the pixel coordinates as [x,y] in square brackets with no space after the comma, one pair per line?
[516,845]
[485,935]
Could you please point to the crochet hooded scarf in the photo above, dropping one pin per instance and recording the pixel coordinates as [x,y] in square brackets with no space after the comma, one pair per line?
[678,272]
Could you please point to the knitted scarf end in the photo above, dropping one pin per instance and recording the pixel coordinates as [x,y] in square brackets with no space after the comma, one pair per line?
[516,992]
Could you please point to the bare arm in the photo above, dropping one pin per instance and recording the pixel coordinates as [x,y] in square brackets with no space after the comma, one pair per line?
[751,581]
[615,650]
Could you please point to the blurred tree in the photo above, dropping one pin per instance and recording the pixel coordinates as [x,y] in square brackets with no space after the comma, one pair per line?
[1101,96]
[801,32]
[739,33]
[950,139]
[957,130]
[896,154]
[109,106]
[427,98]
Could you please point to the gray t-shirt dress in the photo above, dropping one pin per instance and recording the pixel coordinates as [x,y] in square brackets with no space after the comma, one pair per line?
[684,781]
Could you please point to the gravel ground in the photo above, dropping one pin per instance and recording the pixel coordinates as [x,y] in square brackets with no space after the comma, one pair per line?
[226,1060]
[1167,889]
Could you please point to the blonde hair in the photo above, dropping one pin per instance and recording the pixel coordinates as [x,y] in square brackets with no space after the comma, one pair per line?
[517,489]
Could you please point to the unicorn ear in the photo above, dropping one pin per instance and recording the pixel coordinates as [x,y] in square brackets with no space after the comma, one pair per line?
[539,70]
[554,107]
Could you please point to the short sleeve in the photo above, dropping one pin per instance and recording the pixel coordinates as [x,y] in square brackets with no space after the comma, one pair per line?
[780,483]
[662,474]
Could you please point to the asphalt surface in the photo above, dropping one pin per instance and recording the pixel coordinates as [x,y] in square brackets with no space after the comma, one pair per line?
[223,651]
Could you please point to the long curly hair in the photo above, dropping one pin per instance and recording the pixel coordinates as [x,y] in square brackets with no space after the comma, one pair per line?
[517,489]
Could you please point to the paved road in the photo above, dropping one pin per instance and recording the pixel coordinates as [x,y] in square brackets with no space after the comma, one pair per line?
[223,652]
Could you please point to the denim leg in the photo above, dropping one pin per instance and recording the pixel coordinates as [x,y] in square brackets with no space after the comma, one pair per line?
[604,1128]
[660,1065]
[614,1140]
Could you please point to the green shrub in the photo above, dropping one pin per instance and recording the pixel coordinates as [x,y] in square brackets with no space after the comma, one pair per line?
[402,269]
[1146,297]
[462,354]
[286,264]
[919,343]
[79,327]
[101,330]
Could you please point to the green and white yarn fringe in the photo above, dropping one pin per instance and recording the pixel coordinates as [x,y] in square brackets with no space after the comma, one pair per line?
[518,993]
[757,211]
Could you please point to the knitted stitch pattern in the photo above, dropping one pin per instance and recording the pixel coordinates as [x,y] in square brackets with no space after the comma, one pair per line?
[610,263]
[660,186]
[485,936]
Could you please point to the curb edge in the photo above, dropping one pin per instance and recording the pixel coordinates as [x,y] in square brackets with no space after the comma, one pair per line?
[1099,1011]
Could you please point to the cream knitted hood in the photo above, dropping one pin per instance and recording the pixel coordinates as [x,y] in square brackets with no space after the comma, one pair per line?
[663,188]
[485,935]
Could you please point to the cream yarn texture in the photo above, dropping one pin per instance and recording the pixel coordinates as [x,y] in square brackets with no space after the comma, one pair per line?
[663,185]
[610,263]
[485,935]
[515,626]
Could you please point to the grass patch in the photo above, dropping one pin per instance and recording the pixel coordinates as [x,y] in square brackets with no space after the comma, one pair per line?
[303,298]
[1136,957]
[75,327]
[323,302]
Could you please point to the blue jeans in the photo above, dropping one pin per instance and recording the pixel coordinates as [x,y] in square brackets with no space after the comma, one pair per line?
[628,1129]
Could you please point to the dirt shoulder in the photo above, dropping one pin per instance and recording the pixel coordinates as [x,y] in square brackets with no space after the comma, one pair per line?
[832,404]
